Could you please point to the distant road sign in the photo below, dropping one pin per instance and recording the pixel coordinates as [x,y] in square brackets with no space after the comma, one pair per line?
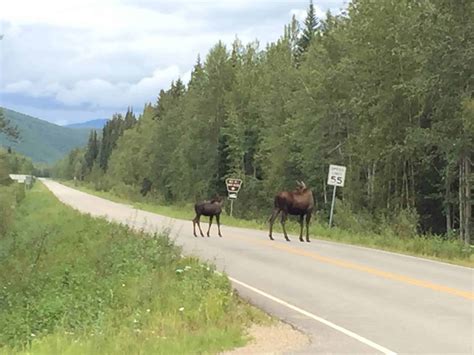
[337,175]
[233,186]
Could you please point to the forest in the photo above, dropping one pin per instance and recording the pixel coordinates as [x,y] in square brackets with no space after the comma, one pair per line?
[383,88]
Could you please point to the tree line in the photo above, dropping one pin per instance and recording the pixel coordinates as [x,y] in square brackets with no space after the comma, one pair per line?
[384,88]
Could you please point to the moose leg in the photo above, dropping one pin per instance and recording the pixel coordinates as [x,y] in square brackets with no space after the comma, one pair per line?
[308,219]
[274,215]
[284,214]
[210,223]
[218,219]
[198,222]
[301,227]
[194,226]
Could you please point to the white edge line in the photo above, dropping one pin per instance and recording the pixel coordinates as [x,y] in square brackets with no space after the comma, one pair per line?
[392,253]
[316,318]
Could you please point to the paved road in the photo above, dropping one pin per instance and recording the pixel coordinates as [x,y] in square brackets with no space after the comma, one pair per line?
[348,299]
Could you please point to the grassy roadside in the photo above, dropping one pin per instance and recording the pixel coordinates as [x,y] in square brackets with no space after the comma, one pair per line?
[432,247]
[72,284]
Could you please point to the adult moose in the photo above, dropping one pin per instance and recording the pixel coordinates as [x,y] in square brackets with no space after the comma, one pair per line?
[299,202]
[208,208]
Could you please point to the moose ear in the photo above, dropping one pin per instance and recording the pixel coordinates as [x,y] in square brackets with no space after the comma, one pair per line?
[303,185]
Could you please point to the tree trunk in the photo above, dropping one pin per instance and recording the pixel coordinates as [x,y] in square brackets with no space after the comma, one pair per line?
[447,202]
[371,184]
[468,202]
[461,200]
[412,185]
[405,187]
[324,192]
[465,203]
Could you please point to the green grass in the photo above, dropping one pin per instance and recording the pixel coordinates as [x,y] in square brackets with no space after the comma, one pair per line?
[431,247]
[72,284]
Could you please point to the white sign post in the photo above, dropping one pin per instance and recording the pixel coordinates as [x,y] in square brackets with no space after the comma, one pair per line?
[233,187]
[336,177]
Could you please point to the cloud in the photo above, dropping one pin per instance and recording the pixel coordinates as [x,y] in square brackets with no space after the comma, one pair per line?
[20,86]
[300,13]
[102,93]
[101,56]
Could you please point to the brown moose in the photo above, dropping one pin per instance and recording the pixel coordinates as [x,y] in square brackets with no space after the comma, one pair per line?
[299,202]
[208,208]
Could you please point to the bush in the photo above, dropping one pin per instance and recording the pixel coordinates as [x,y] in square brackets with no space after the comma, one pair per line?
[7,204]
[10,196]
[345,218]
[126,191]
[404,224]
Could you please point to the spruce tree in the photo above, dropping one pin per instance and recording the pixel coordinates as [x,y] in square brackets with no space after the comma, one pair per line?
[6,128]
[310,28]
[92,150]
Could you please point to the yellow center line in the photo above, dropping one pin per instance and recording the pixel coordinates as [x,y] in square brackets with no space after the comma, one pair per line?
[369,270]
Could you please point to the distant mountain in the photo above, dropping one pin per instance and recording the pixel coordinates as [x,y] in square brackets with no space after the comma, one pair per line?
[94,124]
[42,141]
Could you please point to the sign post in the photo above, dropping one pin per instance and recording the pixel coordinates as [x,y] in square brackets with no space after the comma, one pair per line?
[233,187]
[336,177]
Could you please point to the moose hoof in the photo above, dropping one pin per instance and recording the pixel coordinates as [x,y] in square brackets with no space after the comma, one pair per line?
[288,239]
[308,241]
[220,235]
[301,240]
[271,238]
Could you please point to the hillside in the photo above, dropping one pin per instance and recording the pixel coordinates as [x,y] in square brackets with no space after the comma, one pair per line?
[94,124]
[42,141]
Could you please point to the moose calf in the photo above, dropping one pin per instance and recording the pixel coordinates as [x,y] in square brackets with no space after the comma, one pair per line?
[208,208]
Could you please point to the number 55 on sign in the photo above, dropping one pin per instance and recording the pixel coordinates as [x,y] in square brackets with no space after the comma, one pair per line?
[337,175]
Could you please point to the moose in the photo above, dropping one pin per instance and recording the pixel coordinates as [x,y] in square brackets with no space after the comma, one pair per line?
[299,202]
[208,208]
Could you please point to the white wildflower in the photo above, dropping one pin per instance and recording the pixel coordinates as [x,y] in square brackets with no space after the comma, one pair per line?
[181,309]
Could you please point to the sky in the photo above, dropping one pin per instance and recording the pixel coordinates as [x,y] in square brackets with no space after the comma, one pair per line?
[77,60]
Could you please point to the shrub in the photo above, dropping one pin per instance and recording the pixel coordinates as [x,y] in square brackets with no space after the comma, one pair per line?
[7,203]
[404,224]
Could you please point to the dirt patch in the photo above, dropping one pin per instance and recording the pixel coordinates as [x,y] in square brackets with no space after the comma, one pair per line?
[277,338]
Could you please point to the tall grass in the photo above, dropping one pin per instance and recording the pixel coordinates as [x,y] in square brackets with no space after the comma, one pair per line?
[10,196]
[397,235]
[72,284]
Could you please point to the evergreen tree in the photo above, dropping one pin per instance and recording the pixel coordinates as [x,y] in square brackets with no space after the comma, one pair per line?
[92,150]
[309,31]
[6,128]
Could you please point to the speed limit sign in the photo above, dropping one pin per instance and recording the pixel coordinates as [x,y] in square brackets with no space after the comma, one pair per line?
[337,175]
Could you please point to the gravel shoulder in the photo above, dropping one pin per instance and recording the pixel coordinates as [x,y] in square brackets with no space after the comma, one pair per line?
[279,338]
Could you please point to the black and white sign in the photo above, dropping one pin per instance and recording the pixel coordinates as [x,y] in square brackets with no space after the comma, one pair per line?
[337,175]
